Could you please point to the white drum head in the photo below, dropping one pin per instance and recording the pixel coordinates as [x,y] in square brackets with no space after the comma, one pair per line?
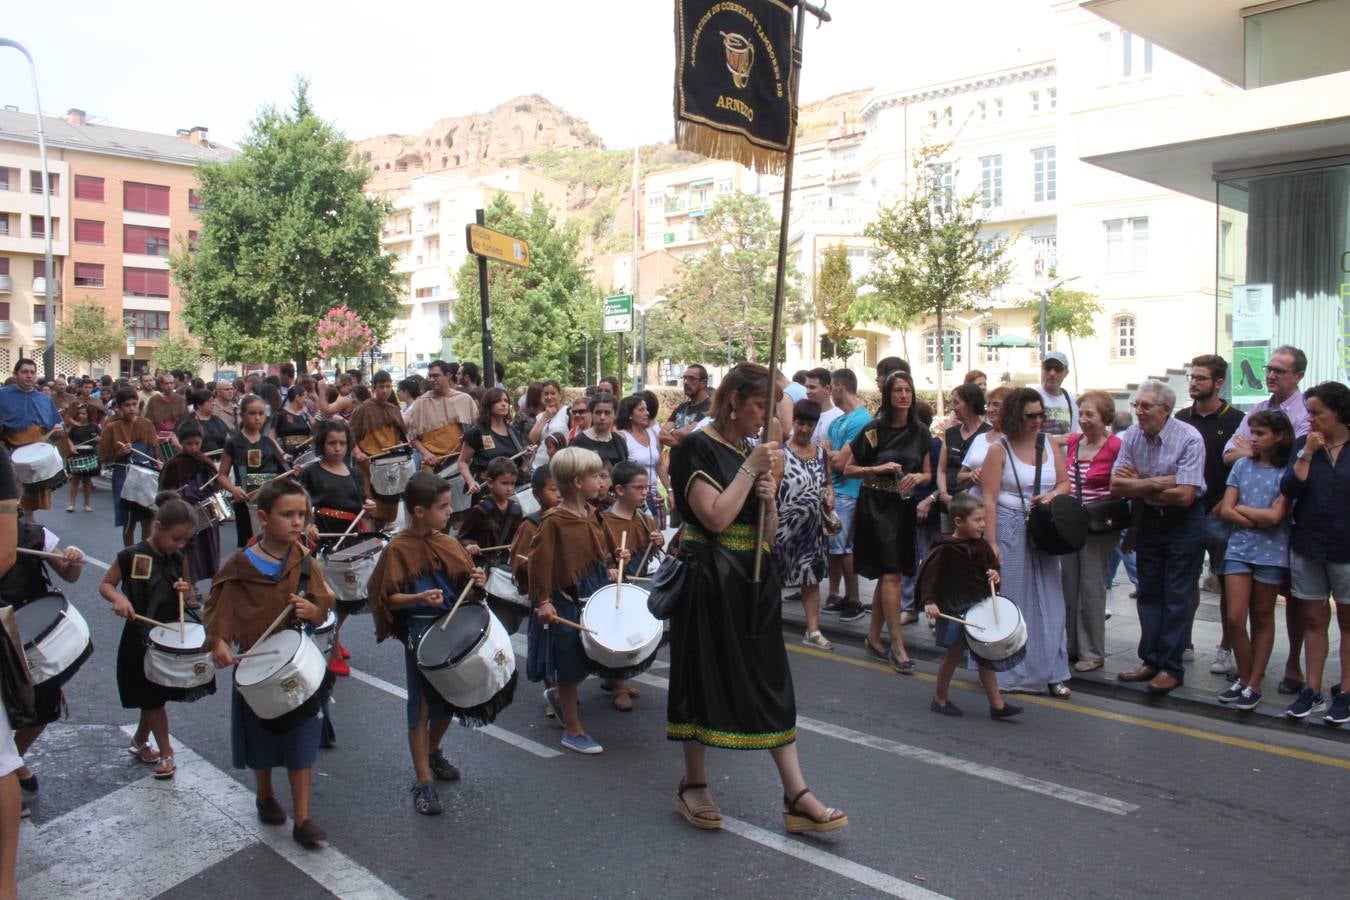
[500,584]
[356,550]
[990,630]
[528,505]
[256,669]
[625,627]
[194,636]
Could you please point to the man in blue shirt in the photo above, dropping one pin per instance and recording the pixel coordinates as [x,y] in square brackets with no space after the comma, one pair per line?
[844,393]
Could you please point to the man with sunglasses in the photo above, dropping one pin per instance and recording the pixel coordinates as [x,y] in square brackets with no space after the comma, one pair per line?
[692,411]
[1161,470]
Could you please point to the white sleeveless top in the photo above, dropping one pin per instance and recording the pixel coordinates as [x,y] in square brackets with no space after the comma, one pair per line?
[1008,496]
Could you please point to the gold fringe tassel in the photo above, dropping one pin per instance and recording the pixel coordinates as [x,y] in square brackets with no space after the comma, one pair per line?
[698,138]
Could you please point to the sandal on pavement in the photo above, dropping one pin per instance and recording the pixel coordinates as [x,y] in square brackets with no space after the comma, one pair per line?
[705,816]
[143,753]
[165,768]
[623,700]
[1061,690]
[798,822]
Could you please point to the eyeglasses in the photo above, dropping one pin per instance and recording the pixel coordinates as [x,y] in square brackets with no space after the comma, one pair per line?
[693,378]
[1142,406]
[1033,417]
[1276,370]
[1200,377]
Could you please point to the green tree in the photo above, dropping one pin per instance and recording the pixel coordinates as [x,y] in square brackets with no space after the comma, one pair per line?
[724,298]
[934,257]
[287,233]
[836,295]
[89,333]
[1070,313]
[178,351]
[540,314]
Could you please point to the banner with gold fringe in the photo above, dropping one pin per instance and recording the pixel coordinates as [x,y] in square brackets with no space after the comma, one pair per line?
[732,93]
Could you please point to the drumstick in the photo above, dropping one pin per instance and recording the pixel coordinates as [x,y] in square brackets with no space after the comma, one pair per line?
[618,590]
[348,532]
[569,623]
[270,628]
[464,593]
[520,454]
[256,653]
[182,602]
[498,547]
[390,449]
[42,553]
[961,621]
[214,452]
[147,456]
[523,556]
[140,618]
[211,479]
[993,600]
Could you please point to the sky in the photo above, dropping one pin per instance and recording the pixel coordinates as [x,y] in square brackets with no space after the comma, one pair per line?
[383,67]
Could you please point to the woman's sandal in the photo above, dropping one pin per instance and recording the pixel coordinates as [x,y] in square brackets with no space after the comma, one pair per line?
[165,768]
[697,815]
[1060,689]
[624,697]
[143,752]
[798,822]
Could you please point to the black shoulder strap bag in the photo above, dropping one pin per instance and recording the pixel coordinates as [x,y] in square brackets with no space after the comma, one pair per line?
[1103,516]
[1058,527]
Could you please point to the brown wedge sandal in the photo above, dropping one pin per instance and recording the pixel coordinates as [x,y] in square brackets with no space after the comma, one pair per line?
[798,822]
[697,815]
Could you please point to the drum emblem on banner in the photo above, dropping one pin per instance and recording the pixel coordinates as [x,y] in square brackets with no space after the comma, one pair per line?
[500,658]
[740,57]
[199,669]
[351,577]
[291,685]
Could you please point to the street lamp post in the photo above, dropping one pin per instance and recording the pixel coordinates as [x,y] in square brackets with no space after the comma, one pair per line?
[642,341]
[49,352]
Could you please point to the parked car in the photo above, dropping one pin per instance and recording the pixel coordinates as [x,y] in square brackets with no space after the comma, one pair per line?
[225,375]
[395,372]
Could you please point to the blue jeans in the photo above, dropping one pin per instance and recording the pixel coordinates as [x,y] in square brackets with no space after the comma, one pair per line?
[1118,557]
[925,533]
[1169,550]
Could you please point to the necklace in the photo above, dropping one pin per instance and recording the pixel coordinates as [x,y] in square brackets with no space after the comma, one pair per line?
[265,552]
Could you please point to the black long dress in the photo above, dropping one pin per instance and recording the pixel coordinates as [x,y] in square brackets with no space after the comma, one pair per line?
[730,685]
[884,522]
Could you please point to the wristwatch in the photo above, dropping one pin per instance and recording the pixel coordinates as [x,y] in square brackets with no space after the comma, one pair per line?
[1302,453]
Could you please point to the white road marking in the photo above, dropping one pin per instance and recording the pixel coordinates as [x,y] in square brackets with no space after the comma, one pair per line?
[493,731]
[198,819]
[952,763]
[799,849]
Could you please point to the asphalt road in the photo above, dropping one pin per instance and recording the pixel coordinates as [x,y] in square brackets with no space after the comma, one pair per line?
[1085,798]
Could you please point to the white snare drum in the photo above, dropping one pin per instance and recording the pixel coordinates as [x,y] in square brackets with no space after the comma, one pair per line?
[174,662]
[460,500]
[305,460]
[55,638]
[470,663]
[507,602]
[325,633]
[141,486]
[214,510]
[996,633]
[38,467]
[283,684]
[389,476]
[625,635]
[347,570]
[528,505]
[81,464]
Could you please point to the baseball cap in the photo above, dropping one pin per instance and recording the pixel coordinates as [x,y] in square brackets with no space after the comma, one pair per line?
[1055,356]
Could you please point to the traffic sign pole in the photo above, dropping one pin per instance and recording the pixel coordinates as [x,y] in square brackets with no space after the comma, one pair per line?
[489,369]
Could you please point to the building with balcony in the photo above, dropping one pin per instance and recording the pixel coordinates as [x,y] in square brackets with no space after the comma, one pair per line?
[121,201]
[426,231]
[676,199]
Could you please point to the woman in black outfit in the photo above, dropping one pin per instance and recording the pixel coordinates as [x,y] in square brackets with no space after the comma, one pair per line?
[600,435]
[968,408]
[214,430]
[492,437]
[730,685]
[291,426]
[891,456]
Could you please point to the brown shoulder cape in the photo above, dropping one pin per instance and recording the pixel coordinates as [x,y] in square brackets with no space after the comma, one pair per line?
[407,557]
[520,553]
[565,549]
[638,528]
[371,415]
[244,601]
[952,574]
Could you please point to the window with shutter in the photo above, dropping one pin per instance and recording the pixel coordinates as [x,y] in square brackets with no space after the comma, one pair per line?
[144,240]
[145,282]
[88,231]
[89,187]
[145,198]
[89,275]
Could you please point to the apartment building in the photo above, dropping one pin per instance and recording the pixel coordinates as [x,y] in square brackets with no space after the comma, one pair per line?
[676,200]
[121,200]
[426,231]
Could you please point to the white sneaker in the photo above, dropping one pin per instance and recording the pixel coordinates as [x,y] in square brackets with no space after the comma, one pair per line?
[1223,661]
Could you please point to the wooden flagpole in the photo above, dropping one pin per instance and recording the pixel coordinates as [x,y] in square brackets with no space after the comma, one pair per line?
[770,410]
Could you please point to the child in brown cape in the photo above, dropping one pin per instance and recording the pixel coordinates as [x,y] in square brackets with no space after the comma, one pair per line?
[248,594]
[627,518]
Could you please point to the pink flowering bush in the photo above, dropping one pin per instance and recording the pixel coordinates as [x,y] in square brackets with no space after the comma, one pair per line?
[343,335]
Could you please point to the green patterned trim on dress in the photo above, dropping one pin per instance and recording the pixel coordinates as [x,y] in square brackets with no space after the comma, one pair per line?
[738,537]
[729,740]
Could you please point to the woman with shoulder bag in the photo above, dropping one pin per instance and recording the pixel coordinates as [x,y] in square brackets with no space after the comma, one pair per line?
[1091,454]
[1030,576]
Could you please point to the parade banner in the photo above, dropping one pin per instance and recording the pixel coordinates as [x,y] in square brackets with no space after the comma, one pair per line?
[732,73]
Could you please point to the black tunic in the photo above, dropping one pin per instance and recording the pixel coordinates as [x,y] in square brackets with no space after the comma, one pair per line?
[292,430]
[26,581]
[254,462]
[612,452]
[333,493]
[147,581]
[489,445]
[884,522]
[214,432]
[730,685]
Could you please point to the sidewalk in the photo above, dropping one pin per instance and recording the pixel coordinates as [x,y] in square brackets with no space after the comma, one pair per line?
[1197,695]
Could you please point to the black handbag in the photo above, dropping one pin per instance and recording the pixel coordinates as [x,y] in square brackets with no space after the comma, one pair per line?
[1103,516]
[1058,527]
[16,684]
[667,588]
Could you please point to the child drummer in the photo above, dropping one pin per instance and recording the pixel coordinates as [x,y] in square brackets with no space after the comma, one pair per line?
[568,562]
[26,581]
[545,491]
[627,525]
[955,576]
[419,575]
[147,580]
[493,520]
[251,589]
